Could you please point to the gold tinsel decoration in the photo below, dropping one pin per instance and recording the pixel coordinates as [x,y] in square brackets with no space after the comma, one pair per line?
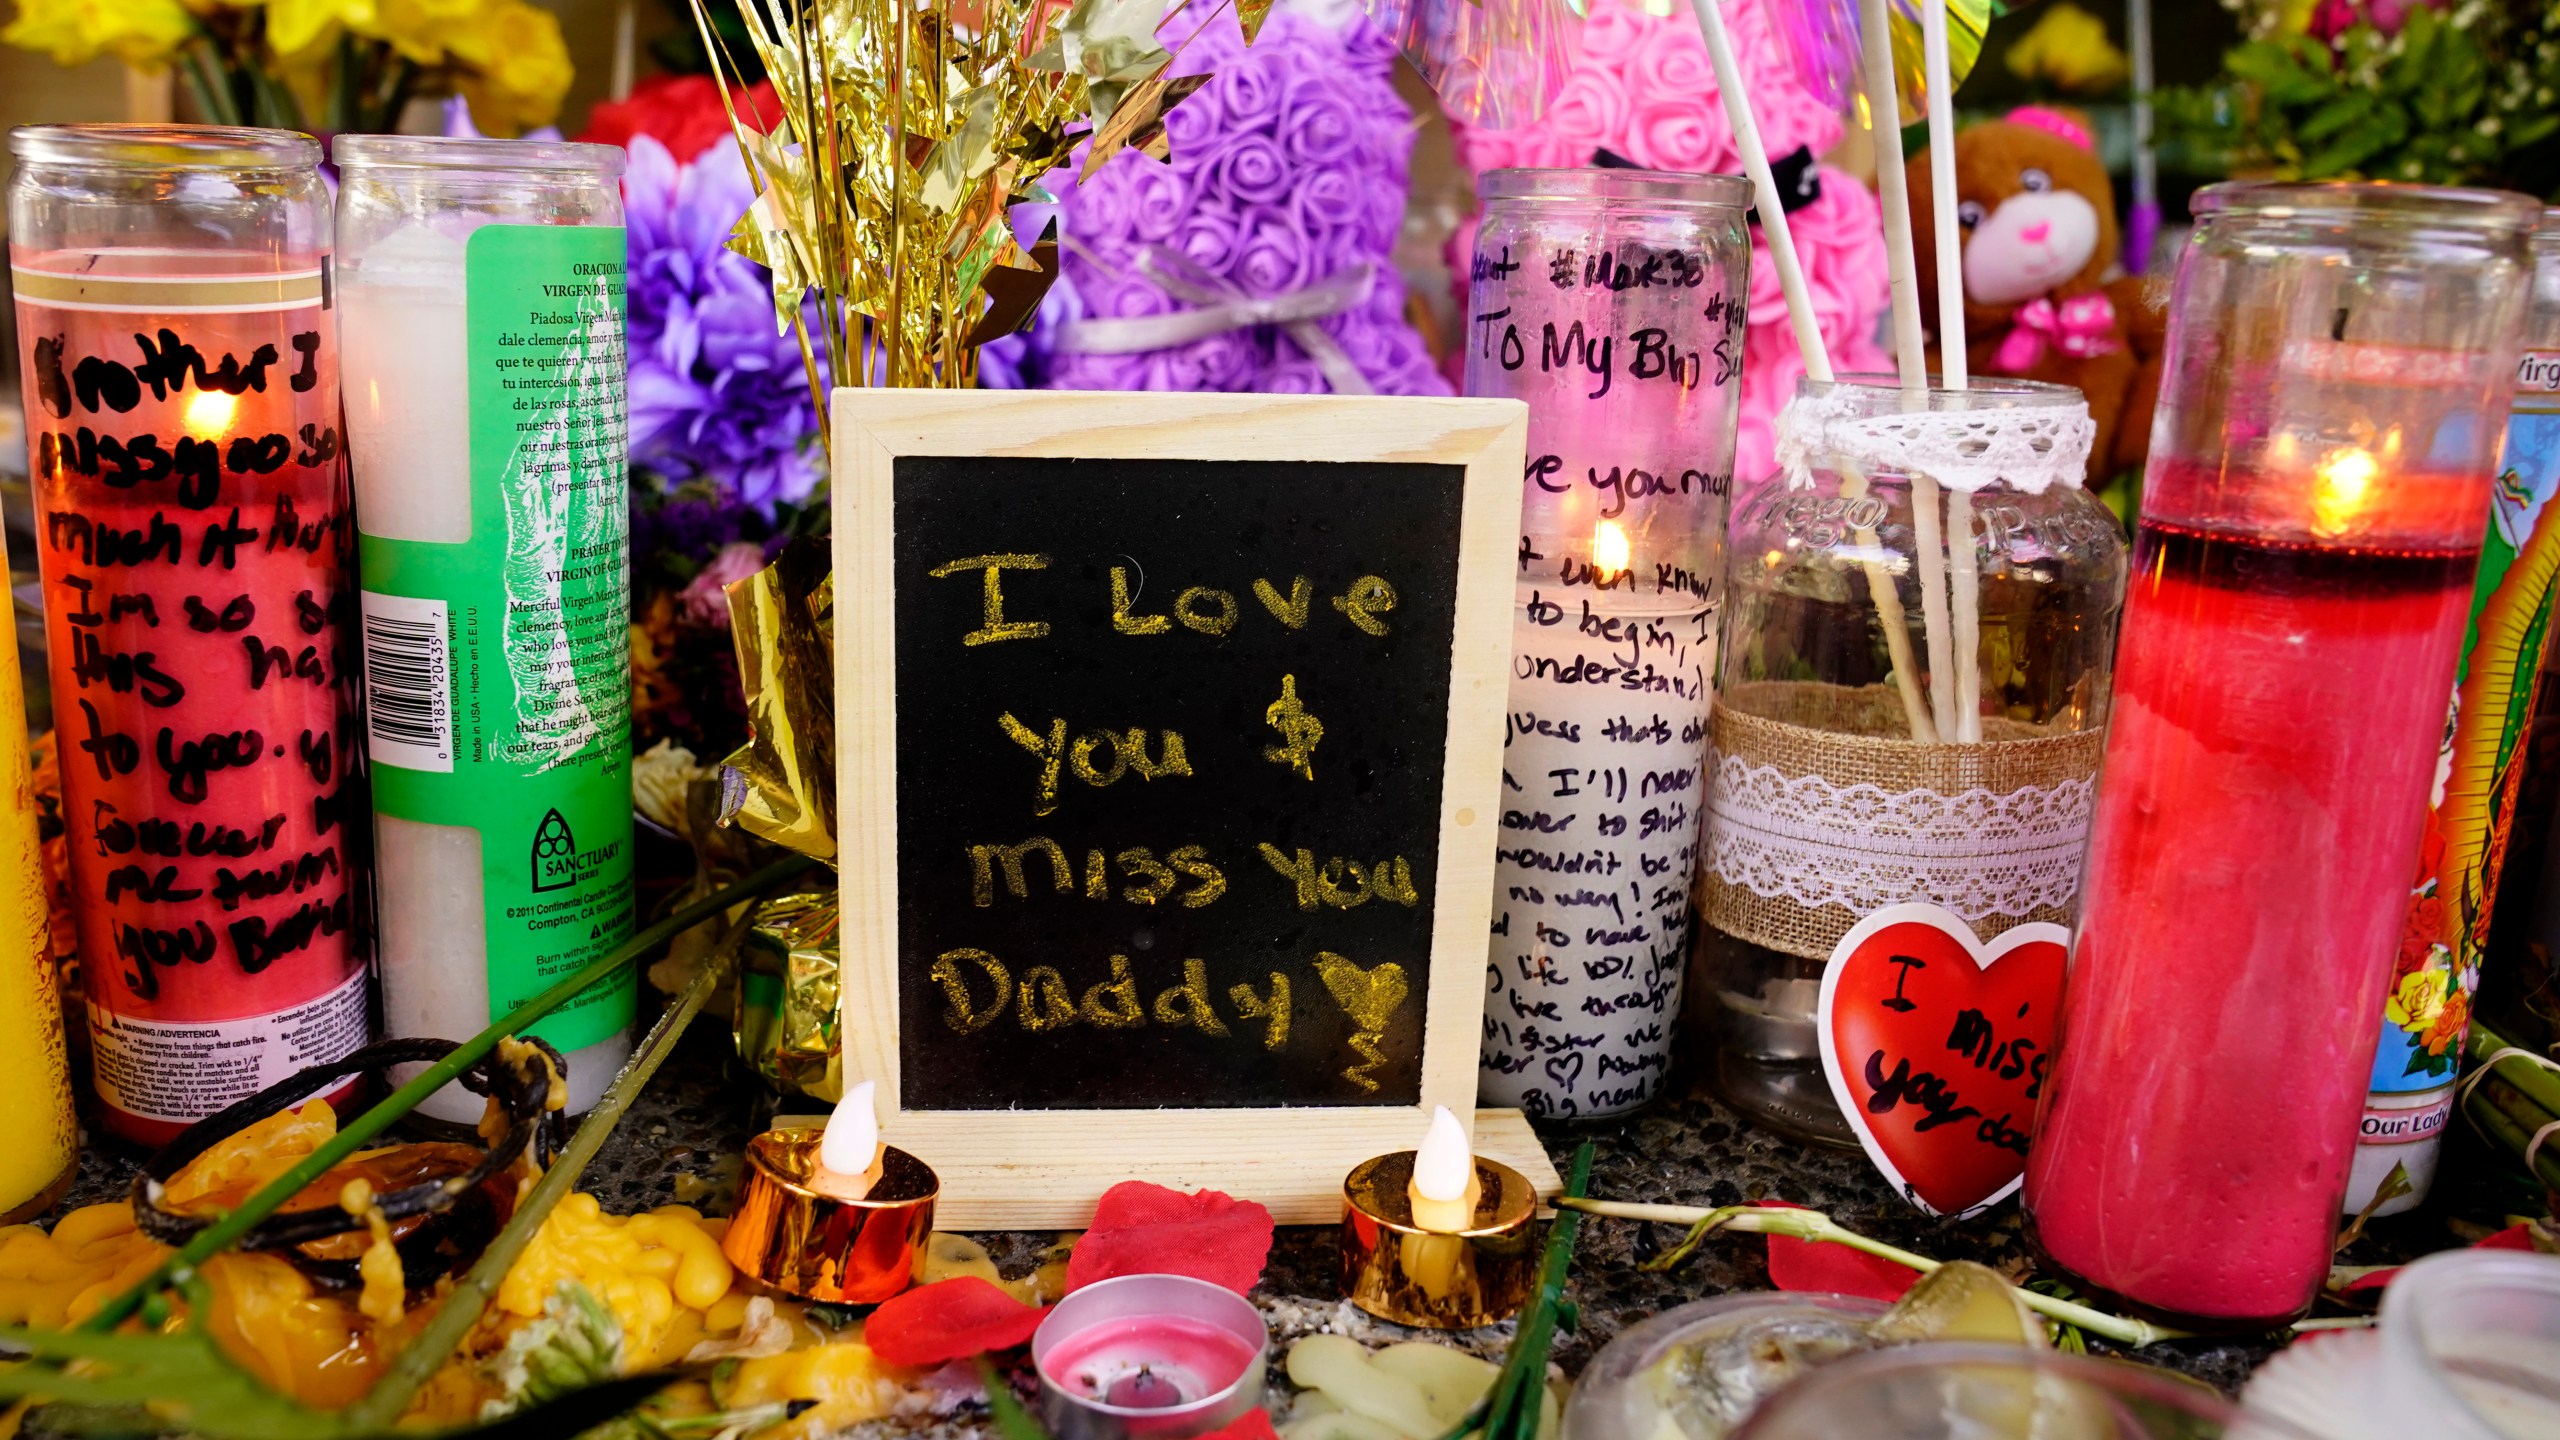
[909,128]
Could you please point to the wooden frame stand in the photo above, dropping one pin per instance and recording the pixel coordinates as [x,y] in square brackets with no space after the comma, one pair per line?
[1040,1168]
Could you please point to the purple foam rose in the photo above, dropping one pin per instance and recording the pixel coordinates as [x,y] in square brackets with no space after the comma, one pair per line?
[1275,258]
[1321,129]
[1296,375]
[1208,235]
[1251,169]
[1252,92]
[1101,210]
[1159,196]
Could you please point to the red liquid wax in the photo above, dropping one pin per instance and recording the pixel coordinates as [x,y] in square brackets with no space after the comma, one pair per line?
[2278,710]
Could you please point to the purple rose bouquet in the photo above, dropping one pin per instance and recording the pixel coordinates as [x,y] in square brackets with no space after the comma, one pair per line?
[716,395]
[1260,257]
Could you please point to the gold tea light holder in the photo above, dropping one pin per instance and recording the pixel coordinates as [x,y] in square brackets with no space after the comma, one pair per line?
[819,1234]
[1473,1264]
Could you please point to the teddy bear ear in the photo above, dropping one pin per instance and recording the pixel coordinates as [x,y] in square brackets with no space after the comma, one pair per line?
[2059,121]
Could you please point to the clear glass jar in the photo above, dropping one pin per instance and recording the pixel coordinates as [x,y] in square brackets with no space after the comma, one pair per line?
[198,567]
[1612,302]
[481,297]
[2338,365]
[1811,686]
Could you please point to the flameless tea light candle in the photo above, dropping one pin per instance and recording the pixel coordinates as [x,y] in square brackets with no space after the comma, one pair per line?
[1439,1237]
[831,1213]
[1160,1356]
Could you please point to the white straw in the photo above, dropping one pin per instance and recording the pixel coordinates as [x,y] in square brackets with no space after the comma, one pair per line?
[1817,359]
[1764,185]
[1893,188]
[1963,574]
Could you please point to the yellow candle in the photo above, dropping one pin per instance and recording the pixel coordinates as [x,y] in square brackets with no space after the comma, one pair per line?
[39,1140]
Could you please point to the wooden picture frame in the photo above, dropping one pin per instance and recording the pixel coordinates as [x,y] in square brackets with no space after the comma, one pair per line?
[1004,1169]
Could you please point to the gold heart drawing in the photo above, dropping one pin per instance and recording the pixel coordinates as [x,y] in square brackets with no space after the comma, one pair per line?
[1370,997]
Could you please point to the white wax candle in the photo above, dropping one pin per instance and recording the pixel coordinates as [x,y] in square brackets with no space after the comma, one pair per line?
[1603,791]
[403,347]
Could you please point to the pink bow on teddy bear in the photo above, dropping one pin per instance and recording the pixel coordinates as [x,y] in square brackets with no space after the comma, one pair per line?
[2083,326]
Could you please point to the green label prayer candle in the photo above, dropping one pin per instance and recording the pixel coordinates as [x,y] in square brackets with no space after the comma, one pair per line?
[482,303]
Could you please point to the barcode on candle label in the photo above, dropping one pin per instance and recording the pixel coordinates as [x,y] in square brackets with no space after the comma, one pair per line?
[408,682]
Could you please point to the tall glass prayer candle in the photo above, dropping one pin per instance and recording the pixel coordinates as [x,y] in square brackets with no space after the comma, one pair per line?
[480,289]
[2338,360]
[39,1134]
[1612,302]
[181,386]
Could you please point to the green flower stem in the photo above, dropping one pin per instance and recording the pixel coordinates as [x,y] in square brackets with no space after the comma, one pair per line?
[461,1309]
[212,97]
[2499,1126]
[1814,1225]
[2534,1082]
[355,1134]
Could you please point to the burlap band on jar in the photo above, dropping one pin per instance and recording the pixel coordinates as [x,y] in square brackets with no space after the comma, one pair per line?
[1819,814]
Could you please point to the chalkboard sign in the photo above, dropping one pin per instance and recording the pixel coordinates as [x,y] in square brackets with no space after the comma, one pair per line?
[1169,738]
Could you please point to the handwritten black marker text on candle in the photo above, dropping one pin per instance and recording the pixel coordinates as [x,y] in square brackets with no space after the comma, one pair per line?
[165,471]
[1169,743]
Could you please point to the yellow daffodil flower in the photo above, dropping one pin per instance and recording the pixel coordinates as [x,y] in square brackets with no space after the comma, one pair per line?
[2069,49]
[521,64]
[294,26]
[142,33]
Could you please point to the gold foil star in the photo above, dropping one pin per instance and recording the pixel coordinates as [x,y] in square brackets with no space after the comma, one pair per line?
[1137,123]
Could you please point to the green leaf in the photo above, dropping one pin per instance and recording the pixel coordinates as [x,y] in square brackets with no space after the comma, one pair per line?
[1012,1421]
[2339,113]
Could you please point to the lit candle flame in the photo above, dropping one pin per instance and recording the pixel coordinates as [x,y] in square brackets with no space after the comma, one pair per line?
[1609,551]
[851,1146]
[210,414]
[2339,490]
[1443,1190]
[1444,1164]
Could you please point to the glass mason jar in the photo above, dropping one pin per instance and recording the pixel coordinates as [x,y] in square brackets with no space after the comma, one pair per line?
[2338,363]
[197,556]
[1612,302]
[480,289]
[1841,782]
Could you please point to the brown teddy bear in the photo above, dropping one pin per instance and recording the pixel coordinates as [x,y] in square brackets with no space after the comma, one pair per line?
[2039,227]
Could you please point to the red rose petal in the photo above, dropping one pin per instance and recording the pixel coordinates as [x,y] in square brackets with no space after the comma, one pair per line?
[1819,1265]
[1254,1424]
[1143,1229]
[948,1320]
[2514,1237]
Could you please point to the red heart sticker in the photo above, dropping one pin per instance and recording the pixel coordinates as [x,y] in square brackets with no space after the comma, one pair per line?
[1936,1046]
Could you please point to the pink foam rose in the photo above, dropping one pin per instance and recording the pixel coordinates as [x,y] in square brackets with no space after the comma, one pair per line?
[1612,32]
[1590,111]
[1676,64]
[1674,135]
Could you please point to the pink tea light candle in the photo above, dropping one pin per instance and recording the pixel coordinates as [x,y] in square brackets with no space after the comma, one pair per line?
[1158,1356]
[2319,474]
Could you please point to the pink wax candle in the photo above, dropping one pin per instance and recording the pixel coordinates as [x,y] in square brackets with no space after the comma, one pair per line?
[196,550]
[2273,737]
[1148,1357]
[1151,1362]
[2318,482]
